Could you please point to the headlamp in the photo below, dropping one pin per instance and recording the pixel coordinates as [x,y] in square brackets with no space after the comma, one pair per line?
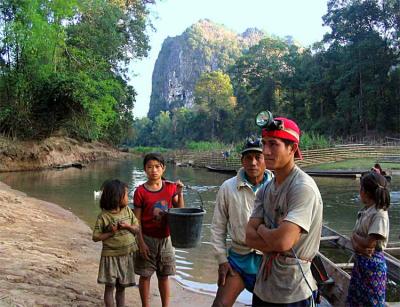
[265,120]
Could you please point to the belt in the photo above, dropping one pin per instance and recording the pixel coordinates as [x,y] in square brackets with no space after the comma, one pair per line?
[268,261]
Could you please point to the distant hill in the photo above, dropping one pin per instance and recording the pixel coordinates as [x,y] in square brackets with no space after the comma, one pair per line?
[203,47]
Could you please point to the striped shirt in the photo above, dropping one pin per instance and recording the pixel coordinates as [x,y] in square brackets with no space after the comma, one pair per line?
[123,241]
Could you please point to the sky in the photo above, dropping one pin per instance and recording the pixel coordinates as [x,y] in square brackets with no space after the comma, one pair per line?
[301,19]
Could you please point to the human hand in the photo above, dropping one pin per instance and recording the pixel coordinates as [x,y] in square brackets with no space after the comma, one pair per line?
[132,228]
[261,230]
[144,251]
[223,270]
[123,225]
[179,186]
[358,248]
[113,228]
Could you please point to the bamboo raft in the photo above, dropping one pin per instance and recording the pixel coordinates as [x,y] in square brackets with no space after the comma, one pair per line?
[336,294]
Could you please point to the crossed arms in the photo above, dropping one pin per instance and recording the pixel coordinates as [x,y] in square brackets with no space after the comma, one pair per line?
[280,239]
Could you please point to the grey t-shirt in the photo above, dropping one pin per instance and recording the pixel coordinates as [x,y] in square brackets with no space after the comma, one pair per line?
[373,221]
[298,201]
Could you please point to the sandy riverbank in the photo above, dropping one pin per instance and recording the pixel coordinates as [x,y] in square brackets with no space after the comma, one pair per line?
[48,259]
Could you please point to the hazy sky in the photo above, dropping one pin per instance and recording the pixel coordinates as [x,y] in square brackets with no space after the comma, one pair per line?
[298,18]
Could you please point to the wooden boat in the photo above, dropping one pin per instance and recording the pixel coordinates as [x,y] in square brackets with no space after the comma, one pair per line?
[67,165]
[335,238]
[218,169]
[341,174]
[340,272]
[335,293]
[387,177]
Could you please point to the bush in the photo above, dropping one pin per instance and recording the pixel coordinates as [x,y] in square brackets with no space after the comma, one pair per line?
[147,149]
[206,146]
[313,140]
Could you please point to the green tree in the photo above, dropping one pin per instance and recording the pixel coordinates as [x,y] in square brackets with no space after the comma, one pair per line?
[67,61]
[214,95]
[362,33]
[162,134]
[259,78]
[142,129]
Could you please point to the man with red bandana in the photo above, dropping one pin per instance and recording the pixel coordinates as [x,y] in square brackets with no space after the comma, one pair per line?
[286,222]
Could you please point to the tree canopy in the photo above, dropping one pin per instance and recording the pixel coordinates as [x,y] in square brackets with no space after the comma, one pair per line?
[63,66]
[345,86]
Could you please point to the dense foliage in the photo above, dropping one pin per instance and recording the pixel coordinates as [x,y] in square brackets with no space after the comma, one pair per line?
[347,85]
[63,69]
[63,66]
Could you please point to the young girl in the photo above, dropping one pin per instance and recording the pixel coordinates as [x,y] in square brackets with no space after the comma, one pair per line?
[151,200]
[115,227]
[368,278]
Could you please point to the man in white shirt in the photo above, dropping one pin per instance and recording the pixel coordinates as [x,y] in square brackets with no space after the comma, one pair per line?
[239,264]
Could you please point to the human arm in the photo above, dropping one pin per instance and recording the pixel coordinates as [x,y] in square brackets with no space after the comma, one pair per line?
[224,269]
[253,239]
[219,226]
[143,248]
[98,235]
[133,225]
[288,223]
[364,245]
[177,200]
[132,228]
[378,231]
[279,239]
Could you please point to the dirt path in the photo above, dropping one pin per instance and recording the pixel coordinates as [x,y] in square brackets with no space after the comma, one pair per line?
[48,259]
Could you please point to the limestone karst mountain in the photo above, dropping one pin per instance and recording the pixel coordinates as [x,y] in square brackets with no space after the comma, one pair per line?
[203,47]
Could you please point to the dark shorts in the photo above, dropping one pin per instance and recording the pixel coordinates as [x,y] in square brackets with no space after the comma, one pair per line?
[162,258]
[257,302]
[247,266]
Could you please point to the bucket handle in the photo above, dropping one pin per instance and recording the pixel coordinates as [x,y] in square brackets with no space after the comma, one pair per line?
[198,193]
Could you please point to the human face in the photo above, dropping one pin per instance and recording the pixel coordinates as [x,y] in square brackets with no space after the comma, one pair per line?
[277,154]
[365,198]
[154,170]
[253,164]
[125,199]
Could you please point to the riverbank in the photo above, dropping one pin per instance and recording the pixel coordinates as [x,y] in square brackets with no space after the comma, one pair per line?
[53,151]
[49,259]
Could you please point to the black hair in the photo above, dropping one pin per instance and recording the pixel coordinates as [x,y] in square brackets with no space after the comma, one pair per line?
[376,187]
[288,142]
[153,156]
[377,165]
[104,184]
[113,192]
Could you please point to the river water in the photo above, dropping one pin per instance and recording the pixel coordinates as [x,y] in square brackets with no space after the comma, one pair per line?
[74,189]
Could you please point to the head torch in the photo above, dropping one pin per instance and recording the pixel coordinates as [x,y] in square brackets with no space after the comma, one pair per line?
[265,120]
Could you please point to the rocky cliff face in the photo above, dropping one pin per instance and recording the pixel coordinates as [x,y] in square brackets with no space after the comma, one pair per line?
[203,47]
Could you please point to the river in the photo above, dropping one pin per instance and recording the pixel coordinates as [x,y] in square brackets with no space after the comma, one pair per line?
[196,268]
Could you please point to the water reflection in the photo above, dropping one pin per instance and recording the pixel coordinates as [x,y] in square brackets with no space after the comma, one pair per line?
[196,268]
